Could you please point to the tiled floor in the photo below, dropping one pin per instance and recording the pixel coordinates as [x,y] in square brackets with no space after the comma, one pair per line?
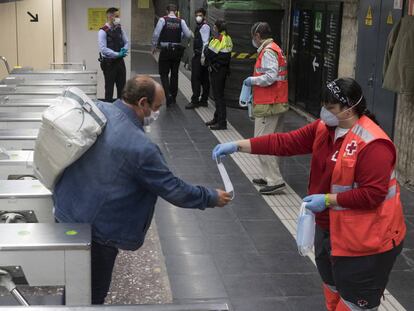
[241,253]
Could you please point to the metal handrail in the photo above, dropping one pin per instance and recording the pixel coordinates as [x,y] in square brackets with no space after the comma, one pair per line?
[6,63]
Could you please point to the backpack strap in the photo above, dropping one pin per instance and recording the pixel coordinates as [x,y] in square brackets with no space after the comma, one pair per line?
[85,105]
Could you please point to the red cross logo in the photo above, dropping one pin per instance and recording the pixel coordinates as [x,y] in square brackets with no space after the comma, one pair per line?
[351,148]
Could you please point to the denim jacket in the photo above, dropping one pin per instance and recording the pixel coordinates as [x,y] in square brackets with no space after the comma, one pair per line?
[114,186]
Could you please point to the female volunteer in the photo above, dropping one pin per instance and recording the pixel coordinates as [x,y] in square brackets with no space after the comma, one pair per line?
[353,191]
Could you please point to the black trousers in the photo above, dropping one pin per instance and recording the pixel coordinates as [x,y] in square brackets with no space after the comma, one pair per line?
[199,78]
[168,64]
[102,261]
[359,280]
[115,74]
[218,81]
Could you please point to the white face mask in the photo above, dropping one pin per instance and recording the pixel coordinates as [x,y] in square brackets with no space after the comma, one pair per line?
[117,21]
[152,117]
[331,119]
[199,19]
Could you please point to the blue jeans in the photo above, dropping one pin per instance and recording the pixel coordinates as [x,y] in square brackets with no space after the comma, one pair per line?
[102,261]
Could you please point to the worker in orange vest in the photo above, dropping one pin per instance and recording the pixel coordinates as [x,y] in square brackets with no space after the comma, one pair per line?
[352,190]
[270,101]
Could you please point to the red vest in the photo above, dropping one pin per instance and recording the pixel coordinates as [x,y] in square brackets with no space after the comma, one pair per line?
[356,232]
[277,93]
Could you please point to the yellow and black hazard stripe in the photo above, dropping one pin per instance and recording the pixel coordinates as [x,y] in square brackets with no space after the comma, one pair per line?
[243,55]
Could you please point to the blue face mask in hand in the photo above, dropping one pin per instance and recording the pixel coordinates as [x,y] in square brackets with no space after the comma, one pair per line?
[246,99]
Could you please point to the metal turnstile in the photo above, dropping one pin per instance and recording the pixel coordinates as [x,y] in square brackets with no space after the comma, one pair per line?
[20,120]
[18,92]
[16,163]
[25,201]
[22,84]
[18,139]
[49,255]
[26,104]
[55,74]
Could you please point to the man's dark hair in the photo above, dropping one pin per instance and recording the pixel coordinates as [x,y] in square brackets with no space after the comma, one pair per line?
[171,7]
[201,10]
[138,87]
[111,11]
[263,29]
[221,25]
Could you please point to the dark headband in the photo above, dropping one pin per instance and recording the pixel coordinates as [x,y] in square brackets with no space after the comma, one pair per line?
[337,92]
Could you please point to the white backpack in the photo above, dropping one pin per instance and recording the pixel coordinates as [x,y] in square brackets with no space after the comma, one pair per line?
[69,128]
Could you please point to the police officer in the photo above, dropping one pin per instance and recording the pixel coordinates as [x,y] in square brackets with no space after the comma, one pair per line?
[113,47]
[167,37]
[199,72]
[218,56]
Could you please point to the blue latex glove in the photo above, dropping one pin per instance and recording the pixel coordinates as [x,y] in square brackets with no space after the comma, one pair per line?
[224,149]
[248,81]
[315,202]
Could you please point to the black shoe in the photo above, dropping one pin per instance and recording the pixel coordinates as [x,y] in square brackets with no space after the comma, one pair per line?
[272,189]
[217,127]
[173,101]
[203,104]
[259,182]
[212,122]
[191,105]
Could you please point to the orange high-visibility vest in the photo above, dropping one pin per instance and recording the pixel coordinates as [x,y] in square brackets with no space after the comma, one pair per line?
[356,232]
[276,93]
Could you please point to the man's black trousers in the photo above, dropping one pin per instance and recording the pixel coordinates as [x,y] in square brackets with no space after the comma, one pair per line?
[115,74]
[102,262]
[199,78]
[169,63]
[218,81]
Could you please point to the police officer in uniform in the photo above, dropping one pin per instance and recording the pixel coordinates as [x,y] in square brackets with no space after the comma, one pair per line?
[218,56]
[199,72]
[167,37]
[113,47]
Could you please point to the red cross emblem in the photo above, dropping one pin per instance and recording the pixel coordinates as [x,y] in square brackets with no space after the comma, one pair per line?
[351,148]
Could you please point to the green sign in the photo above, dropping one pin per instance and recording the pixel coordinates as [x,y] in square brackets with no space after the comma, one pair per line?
[318,21]
[71,232]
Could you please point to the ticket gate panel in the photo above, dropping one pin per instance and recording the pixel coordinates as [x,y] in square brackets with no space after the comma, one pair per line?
[16,81]
[16,162]
[26,201]
[32,266]
[60,75]
[21,120]
[51,255]
[18,139]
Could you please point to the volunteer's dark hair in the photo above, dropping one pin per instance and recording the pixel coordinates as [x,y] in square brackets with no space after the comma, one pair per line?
[171,7]
[138,87]
[111,11]
[201,10]
[353,92]
[263,29]
[221,25]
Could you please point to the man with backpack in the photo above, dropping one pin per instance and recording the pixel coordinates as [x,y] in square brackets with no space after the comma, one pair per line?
[115,184]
